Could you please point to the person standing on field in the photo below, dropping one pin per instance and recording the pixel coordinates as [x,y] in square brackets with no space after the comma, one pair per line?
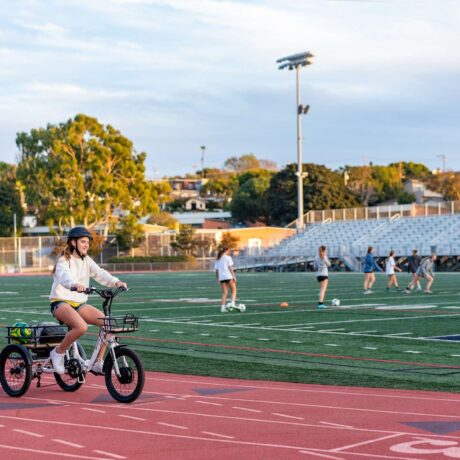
[390,268]
[322,265]
[370,267]
[425,270]
[226,277]
[413,263]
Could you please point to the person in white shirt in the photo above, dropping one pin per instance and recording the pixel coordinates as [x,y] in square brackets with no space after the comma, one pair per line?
[390,268]
[71,276]
[225,275]
[322,264]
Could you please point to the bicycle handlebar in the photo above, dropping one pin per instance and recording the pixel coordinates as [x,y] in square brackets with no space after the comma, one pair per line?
[107,294]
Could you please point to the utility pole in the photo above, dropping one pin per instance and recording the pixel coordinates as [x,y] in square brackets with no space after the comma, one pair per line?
[203,148]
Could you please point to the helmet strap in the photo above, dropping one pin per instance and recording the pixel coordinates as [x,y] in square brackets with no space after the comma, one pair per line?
[75,248]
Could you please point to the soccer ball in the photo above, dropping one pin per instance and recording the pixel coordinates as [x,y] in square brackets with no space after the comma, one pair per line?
[241,307]
[335,303]
[20,332]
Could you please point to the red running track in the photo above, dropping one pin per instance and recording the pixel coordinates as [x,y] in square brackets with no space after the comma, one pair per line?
[187,417]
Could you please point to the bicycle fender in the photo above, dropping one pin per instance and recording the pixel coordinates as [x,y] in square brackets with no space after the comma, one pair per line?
[16,346]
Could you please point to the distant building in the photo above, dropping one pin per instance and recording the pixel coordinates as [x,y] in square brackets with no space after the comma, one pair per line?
[197,219]
[421,192]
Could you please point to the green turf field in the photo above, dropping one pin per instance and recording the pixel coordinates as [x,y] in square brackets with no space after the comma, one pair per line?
[382,340]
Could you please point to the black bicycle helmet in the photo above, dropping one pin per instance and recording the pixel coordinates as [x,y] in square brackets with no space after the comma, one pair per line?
[79,232]
[74,234]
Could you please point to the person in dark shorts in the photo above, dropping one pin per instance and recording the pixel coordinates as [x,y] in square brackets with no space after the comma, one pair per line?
[225,276]
[322,265]
[413,262]
[370,267]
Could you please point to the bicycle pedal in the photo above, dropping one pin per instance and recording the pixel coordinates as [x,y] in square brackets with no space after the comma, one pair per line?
[81,378]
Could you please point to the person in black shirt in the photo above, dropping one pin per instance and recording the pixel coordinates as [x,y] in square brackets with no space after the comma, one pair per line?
[413,263]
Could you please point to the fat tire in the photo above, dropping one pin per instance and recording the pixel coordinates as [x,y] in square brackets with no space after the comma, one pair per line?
[27,369]
[108,367]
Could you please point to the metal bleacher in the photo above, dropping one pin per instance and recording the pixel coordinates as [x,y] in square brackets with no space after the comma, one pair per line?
[347,240]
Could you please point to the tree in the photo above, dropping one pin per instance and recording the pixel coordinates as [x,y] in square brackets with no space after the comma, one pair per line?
[228,241]
[323,189]
[448,184]
[247,162]
[362,183]
[185,240]
[221,187]
[249,202]
[412,170]
[164,219]
[130,233]
[82,171]
[10,200]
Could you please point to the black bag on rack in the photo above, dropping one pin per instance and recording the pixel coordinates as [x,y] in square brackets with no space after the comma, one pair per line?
[50,332]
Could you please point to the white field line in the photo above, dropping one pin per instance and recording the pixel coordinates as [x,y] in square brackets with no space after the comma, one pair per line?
[330,330]
[330,345]
[400,333]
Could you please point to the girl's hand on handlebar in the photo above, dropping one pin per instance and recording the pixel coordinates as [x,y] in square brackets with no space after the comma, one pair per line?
[121,284]
[78,288]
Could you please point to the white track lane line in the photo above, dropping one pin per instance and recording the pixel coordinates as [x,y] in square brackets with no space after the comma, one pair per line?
[218,435]
[338,425]
[370,441]
[51,453]
[67,443]
[94,410]
[309,452]
[173,426]
[109,454]
[247,409]
[132,418]
[29,433]
[287,416]
[210,403]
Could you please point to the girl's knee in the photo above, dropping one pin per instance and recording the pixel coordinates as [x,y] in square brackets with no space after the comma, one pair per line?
[81,329]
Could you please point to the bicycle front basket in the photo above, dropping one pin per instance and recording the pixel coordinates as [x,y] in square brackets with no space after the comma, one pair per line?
[121,324]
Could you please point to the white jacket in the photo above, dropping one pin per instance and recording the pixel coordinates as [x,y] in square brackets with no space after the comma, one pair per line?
[77,271]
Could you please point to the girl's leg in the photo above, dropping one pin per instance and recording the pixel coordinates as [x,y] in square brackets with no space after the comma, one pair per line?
[224,293]
[429,282]
[390,282]
[233,289]
[93,316]
[69,316]
[371,280]
[366,281]
[322,290]
[395,282]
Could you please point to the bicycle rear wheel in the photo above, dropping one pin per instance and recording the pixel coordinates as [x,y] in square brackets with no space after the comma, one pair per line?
[15,370]
[127,386]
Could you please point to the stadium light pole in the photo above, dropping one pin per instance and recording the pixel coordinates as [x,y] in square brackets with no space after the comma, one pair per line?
[296,61]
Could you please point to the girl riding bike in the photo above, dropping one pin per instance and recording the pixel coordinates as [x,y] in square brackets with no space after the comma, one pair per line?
[71,276]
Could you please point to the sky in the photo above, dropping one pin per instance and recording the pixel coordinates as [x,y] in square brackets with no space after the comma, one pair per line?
[174,75]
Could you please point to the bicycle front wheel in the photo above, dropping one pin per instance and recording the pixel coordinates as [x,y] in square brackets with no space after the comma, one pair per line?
[128,385]
[15,370]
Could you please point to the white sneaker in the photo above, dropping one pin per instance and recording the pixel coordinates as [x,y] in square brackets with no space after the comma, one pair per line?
[57,360]
[98,367]
[223,309]
[367,292]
